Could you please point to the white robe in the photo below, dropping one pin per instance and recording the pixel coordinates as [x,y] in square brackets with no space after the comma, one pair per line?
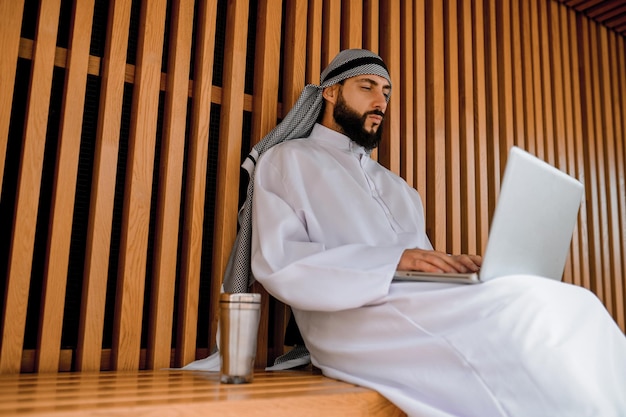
[329,227]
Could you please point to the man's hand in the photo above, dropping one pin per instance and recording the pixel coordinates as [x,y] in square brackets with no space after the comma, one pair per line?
[434,261]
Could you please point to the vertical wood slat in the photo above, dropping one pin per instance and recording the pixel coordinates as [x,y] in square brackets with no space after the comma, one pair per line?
[314,40]
[266,70]
[371,34]
[614,255]
[371,13]
[546,83]
[389,149]
[197,161]
[590,166]
[603,213]
[528,79]
[265,112]
[420,96]
[469,224]
[436,147]
[64,190]
[575,272]
[517,67]
[28,188]
[229,158]
[493,110]
[12,12]
[559,144]
[407,122]
[170,186]
[579,164]
[480,127]
[352,24]
[294,71]
[97,251]
[138,189]
[620,117]
[452,123]
[505,91]
[331,31]
[617,183]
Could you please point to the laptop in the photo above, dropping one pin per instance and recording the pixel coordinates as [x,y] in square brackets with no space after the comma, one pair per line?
[532,225]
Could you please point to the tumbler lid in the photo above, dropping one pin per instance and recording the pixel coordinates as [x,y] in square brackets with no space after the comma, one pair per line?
[242,297]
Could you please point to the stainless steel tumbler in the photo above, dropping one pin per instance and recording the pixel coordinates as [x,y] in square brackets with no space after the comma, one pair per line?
[239,325]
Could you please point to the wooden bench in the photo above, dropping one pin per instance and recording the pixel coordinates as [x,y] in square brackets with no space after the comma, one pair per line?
[188,393]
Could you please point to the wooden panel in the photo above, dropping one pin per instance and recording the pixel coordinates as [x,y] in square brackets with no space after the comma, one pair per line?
[64,190]
[470,78]
[28,188]
[229,158]
[170,186]
[138,189]
[196,184]
[12,12]
[97,249]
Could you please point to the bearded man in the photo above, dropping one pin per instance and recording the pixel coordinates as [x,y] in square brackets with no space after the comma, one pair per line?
[330,226]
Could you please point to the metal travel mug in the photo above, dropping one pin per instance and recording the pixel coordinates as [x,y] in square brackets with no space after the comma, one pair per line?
[239,324]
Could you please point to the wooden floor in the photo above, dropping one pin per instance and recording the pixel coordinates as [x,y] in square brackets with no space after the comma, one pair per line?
[185,393]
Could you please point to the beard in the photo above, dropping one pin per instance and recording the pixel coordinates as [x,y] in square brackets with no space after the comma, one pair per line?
[353,124]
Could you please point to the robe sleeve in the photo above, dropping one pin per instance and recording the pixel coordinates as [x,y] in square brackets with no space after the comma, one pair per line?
[308,275]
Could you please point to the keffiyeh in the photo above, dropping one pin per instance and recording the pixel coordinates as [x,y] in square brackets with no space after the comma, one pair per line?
[297,124]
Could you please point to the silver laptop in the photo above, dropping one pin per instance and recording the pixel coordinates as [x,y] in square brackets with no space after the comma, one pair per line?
[532,225]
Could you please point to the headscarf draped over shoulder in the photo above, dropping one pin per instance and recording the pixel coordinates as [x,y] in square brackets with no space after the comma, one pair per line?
[298,123]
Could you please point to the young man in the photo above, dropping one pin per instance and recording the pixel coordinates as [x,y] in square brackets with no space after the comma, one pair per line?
[329,228]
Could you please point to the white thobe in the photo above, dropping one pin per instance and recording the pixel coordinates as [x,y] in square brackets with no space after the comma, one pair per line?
[329,227]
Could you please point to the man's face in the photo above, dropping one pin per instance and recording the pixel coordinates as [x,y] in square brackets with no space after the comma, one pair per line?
[360,108]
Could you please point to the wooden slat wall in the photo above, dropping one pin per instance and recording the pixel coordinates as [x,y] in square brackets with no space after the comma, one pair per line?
[470,79]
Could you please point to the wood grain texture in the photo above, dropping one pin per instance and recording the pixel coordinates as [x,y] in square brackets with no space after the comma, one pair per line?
[470,78]
[186,393]
[28,188]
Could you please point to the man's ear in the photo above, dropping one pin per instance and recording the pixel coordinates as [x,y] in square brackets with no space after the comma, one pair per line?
[331,93]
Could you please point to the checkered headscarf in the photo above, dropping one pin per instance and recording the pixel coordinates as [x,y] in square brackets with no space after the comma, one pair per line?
[297,124]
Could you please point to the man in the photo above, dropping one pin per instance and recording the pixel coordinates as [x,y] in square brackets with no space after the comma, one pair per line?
[329,228]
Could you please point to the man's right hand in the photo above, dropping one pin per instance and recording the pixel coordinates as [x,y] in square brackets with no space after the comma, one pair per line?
[435,261]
